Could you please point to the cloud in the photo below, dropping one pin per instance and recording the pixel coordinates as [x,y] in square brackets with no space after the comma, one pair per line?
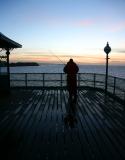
[116,27]
[84,23]
[64,22]
[119,50]
[58,21]
[110,23]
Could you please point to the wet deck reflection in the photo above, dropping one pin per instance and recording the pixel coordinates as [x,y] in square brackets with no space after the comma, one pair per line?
[34,125]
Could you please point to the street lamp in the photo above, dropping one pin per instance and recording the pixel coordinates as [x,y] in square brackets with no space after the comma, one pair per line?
[107,49]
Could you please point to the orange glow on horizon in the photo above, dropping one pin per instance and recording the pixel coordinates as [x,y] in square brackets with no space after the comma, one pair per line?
[90,59]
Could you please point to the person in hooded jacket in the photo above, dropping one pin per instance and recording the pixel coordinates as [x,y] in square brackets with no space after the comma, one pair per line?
[71,69]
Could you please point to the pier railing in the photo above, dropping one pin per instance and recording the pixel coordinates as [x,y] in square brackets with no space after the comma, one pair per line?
[116,86]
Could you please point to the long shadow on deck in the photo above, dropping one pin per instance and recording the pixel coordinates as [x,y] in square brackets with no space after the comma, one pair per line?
[32,126]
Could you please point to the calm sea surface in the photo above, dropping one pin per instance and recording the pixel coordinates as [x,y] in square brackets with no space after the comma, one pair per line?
[117,71]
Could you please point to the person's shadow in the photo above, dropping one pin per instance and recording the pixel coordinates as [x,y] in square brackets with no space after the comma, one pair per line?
[70,118]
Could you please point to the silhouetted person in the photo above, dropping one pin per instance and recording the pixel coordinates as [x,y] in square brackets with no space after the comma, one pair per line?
[71,69]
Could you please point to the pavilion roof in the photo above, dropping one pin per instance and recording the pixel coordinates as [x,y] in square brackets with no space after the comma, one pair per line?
[6,42]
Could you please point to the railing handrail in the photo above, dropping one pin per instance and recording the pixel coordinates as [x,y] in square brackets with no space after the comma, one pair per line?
[116,85]
[64,73]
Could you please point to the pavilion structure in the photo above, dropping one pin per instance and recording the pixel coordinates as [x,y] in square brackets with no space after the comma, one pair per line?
[6,44]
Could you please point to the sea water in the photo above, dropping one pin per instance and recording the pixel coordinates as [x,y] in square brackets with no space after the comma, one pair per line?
[117,71]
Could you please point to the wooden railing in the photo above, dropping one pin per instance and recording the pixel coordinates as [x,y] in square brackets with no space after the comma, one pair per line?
[116,86]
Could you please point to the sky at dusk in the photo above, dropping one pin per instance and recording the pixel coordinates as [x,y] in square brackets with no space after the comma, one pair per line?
[77,29]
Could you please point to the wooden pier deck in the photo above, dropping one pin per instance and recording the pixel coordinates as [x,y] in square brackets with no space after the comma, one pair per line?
[32,126]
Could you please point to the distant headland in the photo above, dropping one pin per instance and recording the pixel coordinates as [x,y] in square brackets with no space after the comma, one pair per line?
[20,64]
[24,64]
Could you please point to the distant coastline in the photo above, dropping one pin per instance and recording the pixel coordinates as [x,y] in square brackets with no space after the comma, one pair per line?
[3,63]
[24,64]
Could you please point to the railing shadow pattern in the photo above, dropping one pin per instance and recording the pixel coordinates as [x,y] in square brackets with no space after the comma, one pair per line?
[116,86]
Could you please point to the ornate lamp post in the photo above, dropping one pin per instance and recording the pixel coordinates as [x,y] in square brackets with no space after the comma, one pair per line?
[107,49]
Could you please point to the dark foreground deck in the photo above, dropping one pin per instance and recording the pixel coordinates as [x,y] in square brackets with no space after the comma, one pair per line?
[32,126]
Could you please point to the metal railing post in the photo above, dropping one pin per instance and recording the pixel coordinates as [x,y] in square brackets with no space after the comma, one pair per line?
[43,80]
[61,79]
[124,98]
[26,80]
[78,79]
[94,80]
[106,75]
[114,86]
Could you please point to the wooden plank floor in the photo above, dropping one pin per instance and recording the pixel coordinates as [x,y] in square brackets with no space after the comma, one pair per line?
[32,126]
